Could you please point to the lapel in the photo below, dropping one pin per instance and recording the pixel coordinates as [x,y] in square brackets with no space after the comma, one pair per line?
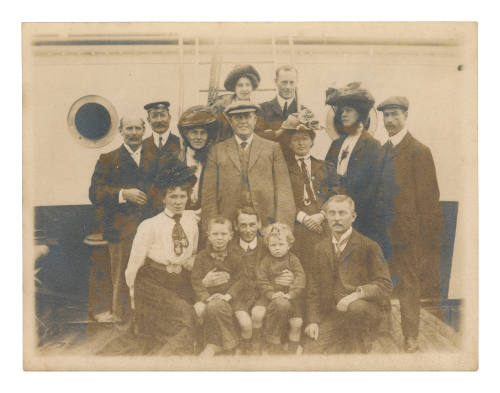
[255,149]
[359,145]
[403,145]
[231,146]
[275,106]
[124,158]
[316,172]
[351,245]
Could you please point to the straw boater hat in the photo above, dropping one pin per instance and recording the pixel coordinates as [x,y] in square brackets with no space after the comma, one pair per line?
[237,72]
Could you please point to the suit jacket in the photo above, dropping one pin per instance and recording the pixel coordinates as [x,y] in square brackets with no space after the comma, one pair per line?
[269,183]
[370,182]
[114,171]
[418,215]
[172,144]
[324,183]
[271,117]
[361,264]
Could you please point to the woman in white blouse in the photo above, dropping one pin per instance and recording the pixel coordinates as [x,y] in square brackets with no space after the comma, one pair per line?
[158,271]
[198,127]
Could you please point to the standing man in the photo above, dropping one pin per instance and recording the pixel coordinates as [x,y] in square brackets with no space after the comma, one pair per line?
[273,113]
[348,284]
[118,188]
[417,226]
[162,139]
[247,170]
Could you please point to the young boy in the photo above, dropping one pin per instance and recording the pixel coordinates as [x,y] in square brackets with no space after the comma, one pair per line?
[284,303]
[214,302]
[250,248]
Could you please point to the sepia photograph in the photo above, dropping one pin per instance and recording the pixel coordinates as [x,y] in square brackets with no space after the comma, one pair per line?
[250,196]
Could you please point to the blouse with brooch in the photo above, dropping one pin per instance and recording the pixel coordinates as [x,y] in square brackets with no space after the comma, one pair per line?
[154,240]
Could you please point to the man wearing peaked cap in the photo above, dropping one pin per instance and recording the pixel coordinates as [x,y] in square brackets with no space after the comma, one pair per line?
[416,229]
[247,170]
[162,139]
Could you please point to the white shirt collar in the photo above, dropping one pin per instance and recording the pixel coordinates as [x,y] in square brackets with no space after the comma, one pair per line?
[244,245]
[134,154]
[396,139]
[282,101]
[164,137]
[248,141]
[169,212]
[306,157]
[190,155]
[343,237]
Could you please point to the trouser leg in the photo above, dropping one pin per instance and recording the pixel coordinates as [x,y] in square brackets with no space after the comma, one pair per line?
[119,254]
[220,326]
[278,313]
[406,278]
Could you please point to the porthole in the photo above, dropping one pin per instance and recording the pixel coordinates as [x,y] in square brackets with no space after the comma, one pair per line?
[93,121]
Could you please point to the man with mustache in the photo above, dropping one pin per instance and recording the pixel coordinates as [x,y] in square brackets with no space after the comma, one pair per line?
[347,287]
[416,230]
[247,170]
[118,189]
[161,140]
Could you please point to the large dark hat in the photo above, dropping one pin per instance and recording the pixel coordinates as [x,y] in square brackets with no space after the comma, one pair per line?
[242,70]
[394,102]
[157,105]
[197,116]
[175,176]
[352,94]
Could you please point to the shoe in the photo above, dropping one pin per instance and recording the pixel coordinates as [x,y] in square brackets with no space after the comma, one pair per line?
[411,344]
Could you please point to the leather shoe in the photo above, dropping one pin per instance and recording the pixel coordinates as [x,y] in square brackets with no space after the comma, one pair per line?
[411,344]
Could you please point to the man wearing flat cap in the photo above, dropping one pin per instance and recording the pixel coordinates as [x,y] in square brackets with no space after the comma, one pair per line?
[161,140]
[417,225]
[247,170]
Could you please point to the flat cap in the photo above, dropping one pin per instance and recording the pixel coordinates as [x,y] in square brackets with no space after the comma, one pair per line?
[351,93]
[157,105]
[394,102]
[199,115]
[241,107]
[237,72]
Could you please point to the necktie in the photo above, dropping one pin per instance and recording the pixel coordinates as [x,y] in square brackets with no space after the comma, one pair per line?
[339,246]
[391,145]
[285,110]
[243,145]
[160,144]
[307,183]
[179,236]
[219,255]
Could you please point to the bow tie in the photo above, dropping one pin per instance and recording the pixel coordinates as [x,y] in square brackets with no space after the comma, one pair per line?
[218,255]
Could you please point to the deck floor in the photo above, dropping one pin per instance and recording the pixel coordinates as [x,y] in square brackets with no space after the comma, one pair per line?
[82,338]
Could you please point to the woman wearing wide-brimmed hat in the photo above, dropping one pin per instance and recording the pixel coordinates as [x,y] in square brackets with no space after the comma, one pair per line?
[198,127]
[362,166]
[242,80]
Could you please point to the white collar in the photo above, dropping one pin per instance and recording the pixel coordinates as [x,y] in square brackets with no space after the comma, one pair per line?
[239,140]
[164,137]
[245,246]
[170,213]
[282,101]
[305,158]
[396,139]
[133,153]
[190,153]
[343,237]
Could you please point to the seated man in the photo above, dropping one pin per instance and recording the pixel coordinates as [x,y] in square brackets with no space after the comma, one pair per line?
[348,284]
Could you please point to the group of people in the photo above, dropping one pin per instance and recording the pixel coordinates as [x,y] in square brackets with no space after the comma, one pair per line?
[236,239]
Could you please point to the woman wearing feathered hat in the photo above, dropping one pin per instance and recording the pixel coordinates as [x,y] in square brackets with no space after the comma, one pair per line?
[158,271]
[313,182]
[360,161]
[198,127]
[242,80]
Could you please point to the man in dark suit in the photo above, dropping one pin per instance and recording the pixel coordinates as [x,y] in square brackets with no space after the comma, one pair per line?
[162,139]
[417,226]
[247,170]
[365,172]
[347,287]
[274,112]
[118,188]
